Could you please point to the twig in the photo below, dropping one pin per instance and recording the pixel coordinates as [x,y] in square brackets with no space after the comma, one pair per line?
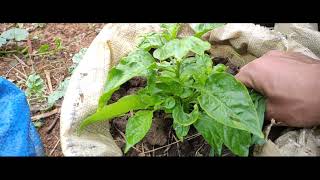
[11,69]
[124,137]
[44,115]
[199,149]
[25,76]
[20,61]
[48,80]
[6,58]
[55,120]
[55,147]
[188,138]
[268,129]
[178,147]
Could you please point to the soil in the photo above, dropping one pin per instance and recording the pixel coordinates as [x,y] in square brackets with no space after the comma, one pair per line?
[74,37]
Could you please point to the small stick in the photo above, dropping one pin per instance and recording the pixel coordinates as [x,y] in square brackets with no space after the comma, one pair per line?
[11,69]
[25,76]
[20,61]
[55,147]
[268,129]
[199,149]
[55,120]
[188,138]
[48,80]
[44,115]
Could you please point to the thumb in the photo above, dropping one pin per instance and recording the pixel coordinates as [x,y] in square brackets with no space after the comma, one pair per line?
[243,77]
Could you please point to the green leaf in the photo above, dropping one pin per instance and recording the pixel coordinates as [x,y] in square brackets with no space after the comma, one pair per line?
[219,68]
[198,67]
[35,86]
[151,40]
[2,41]
[58,43]
[179,48]
[119,108]
[181,131]
[137,63]
[259,102]
[137,127]
[227,100]
[217,134]
[170,30]
[43,48]
[16,34]
[183,118]
[169,103]
[58,93]
[202,28]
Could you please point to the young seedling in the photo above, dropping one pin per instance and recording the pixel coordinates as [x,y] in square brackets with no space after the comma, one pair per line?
[182,80]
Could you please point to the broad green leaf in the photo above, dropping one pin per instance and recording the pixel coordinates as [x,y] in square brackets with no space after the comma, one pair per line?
[181,131]
[137,127]
[217,134]
[259,102]
[182,118]
[227,100]
[219,68]
[58,93]
[169,103]
[137,63]
[202,28]
[16,34]
[179,48]
[151,40]
[2,41]
[198,67]
[122,106]
[43,48]
[170,30]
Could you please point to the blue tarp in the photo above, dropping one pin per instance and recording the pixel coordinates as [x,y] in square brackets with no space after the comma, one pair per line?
[18,136]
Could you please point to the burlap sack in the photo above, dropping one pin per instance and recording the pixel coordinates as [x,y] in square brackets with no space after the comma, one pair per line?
[86,85]
[248,41]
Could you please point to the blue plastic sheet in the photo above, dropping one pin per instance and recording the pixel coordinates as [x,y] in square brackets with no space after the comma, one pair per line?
[18,136]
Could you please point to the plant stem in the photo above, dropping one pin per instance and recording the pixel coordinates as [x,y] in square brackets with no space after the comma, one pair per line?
[7,52]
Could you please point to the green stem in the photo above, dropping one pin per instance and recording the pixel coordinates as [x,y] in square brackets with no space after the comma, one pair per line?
[178,62]
[7,52]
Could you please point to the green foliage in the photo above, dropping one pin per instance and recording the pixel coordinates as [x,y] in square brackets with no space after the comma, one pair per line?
[170,30]
[137,127]
[202,28]
[137,63]
[35,86]
[43,48]
[182,81]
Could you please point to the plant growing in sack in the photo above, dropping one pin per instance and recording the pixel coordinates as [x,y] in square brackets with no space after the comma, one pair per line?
[184,82]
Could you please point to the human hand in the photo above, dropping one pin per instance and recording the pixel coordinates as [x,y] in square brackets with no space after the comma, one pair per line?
[291,84]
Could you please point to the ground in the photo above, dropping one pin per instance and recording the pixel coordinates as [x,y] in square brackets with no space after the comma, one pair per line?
[73,37]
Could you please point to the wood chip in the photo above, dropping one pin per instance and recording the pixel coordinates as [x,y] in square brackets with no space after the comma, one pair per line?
[48,80]
[44,115]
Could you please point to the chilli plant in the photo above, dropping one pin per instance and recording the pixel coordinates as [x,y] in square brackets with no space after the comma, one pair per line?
[184,82]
